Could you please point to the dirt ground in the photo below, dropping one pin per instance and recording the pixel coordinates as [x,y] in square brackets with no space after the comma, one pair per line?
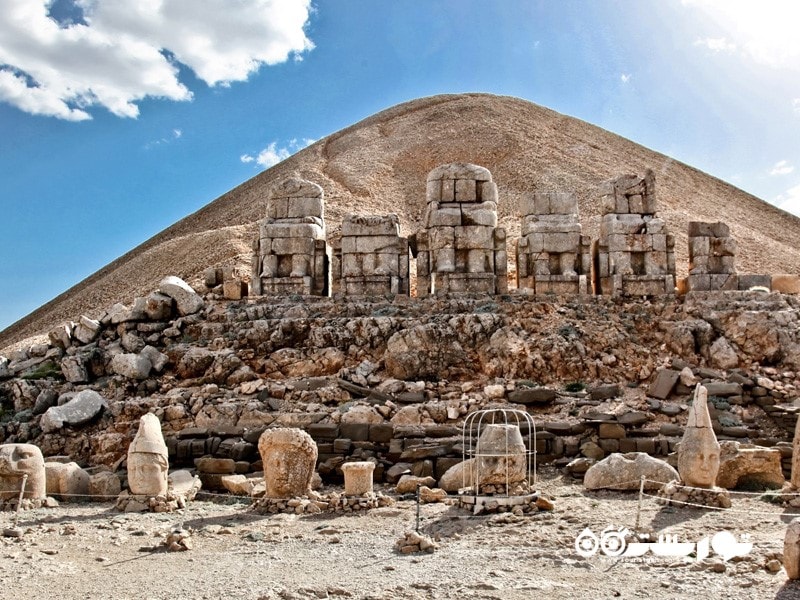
[93,551]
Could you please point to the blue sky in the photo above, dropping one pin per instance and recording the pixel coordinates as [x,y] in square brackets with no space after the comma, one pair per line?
[117,121]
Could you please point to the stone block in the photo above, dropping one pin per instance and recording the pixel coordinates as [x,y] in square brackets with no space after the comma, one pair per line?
[443,217]
[786,284]
[483,214]
[356,432]
[749,281]
[474,237]
[664,383]
[305,207]
[487,191]
[466,190]
[371,244]
[611,431]
[292,245]
[699,228]
[460,171]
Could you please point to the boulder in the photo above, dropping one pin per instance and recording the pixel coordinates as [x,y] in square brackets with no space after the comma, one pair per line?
[194,363]
[87,330]
[722,355]
[133,366]
[158,307]
[104,486]
[186,299]
[408,483]
[183,484]
[84,407]
[458,476]
[748,466]
[791,550]
[158,359]
[423,351]
[624,472]
[239,485]
[74,369]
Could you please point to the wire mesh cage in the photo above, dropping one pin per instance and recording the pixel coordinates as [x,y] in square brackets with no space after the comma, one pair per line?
[502,462]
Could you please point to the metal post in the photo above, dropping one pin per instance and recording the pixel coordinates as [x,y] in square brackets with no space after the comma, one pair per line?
[639,509]
[21,494]
[417,528]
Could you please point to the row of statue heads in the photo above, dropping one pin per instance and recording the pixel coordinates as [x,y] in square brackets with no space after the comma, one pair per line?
[289,458]
[460,247]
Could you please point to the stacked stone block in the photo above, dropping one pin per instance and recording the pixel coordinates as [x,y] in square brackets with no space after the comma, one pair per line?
[712,253]
[371,259]
[635,255]
[461,248]
[291,255]
[552,255]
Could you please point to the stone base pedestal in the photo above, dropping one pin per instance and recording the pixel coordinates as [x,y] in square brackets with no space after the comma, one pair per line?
[675,494]
[358,477]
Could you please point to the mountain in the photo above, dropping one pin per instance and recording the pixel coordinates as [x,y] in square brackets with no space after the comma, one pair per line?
[380,164]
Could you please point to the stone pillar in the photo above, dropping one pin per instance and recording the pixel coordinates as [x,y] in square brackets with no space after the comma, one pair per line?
[552,255]
[358,477]
[291,255]
[635,255]
[371,258]
[461,249]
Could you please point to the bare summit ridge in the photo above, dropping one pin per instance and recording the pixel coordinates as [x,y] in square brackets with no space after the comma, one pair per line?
[380,164]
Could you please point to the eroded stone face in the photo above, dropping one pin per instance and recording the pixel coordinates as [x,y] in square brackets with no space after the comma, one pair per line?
[16,461]
[147,459]
[289,457]
[501,456]
[699,452]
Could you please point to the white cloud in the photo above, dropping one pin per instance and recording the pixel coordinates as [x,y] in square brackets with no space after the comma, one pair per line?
[790,200]
[782,167]
[121,52]
[272,154]
[716,44]
[765,32]
[175,134]
[625,77]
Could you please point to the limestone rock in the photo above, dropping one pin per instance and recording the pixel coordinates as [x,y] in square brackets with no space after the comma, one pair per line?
[749,467]
[458,476]
[183,484]
[358,477]
[195,362]
[624,472]
[239,485]
[87,330]
[428,495]
[186,299]
[133,366]
[501,455]
[791,550]
[157,359]
[104,486]
[67,481]
[408,483]
[795,477]
[84,407]
[422,351]
[74,369]
[288,457]
[722,355]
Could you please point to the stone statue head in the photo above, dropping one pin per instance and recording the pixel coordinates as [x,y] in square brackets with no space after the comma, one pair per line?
[16,461]
[289,457]
[501,455]
[699,451]
[147,459]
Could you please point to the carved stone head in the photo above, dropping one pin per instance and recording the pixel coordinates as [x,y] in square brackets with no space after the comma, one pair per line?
[16,461]
[699,451]
[289,457]
[147,459]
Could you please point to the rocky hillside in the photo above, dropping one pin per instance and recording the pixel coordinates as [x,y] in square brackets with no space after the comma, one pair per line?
[391,380]
[380,164]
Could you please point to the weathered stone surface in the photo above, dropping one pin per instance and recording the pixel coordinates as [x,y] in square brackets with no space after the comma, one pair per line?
[461,475]
[422,351]
[67,481]
[532,396]
[663,384]
[183,484]
[220,466]
[288,457]
[74,369]
[722,355]
[84,407]
[624,472]
[104,486]
[501,455]
[749,467]
[240,485]
[133,366]
[148,464]
[157,359]
[87,330]
[358,477]
[791,550]
[16,462]
[699,450]
[187,301]
[195,362]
